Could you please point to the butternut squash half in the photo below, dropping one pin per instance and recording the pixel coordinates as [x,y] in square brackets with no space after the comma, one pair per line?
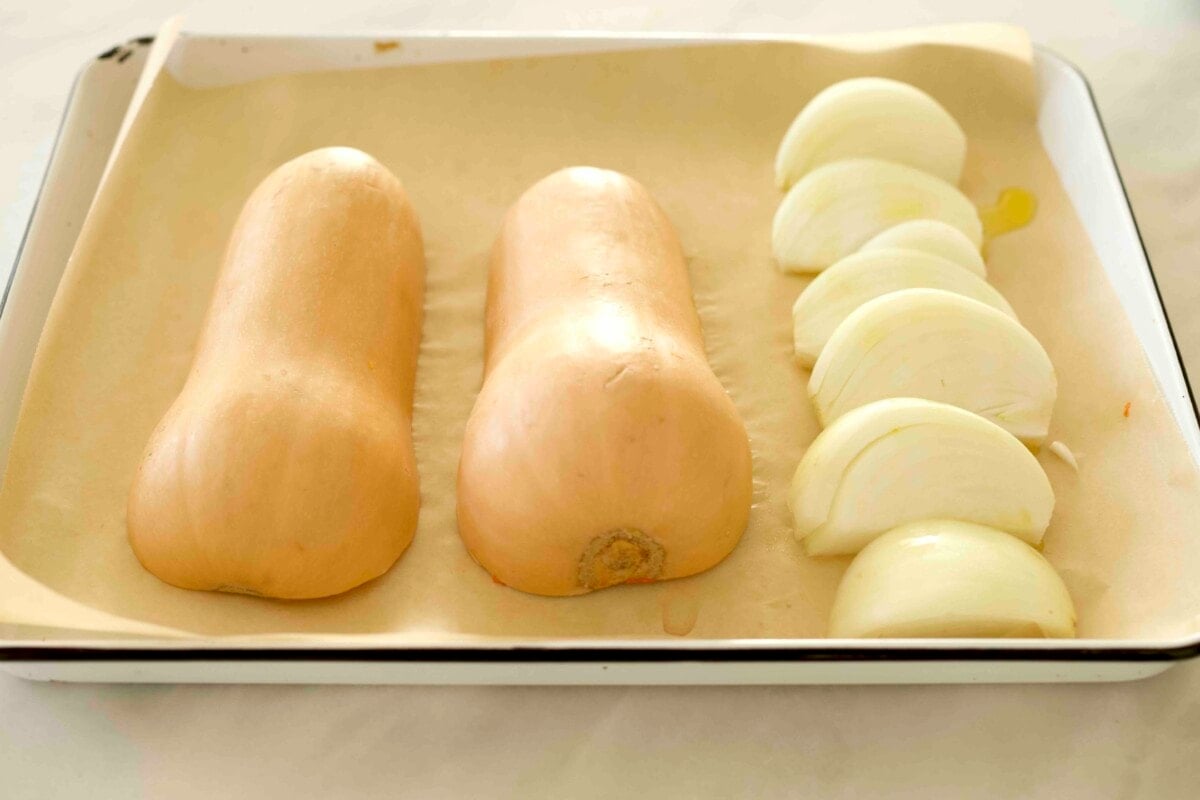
[602,449]
[285,467]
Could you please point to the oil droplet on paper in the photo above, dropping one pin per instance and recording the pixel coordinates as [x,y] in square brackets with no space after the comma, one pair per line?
[1014,209]
[680,610]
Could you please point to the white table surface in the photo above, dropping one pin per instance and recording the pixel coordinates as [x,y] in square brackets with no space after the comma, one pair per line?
[1086,741]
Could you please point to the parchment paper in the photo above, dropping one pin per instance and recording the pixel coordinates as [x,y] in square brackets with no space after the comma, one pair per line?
[698,126]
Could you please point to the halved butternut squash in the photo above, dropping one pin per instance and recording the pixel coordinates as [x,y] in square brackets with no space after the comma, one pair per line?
[602,449]
[285,467]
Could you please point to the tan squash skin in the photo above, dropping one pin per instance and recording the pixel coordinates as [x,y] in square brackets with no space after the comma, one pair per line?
[285,467]
[602,448]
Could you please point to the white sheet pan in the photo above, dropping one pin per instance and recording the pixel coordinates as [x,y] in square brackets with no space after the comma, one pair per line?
[1072,134]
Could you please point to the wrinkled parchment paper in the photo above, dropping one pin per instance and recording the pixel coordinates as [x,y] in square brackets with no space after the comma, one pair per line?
[698,125]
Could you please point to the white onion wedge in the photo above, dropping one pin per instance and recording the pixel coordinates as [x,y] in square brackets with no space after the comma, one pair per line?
[837,208]
[872,118]
[904,459]
[868,274]
[940,578]
[941,346]
[934,237]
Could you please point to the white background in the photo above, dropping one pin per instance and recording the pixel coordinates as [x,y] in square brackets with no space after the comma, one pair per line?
[1088,741]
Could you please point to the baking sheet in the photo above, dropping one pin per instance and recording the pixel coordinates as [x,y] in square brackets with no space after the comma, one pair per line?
[698,125]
